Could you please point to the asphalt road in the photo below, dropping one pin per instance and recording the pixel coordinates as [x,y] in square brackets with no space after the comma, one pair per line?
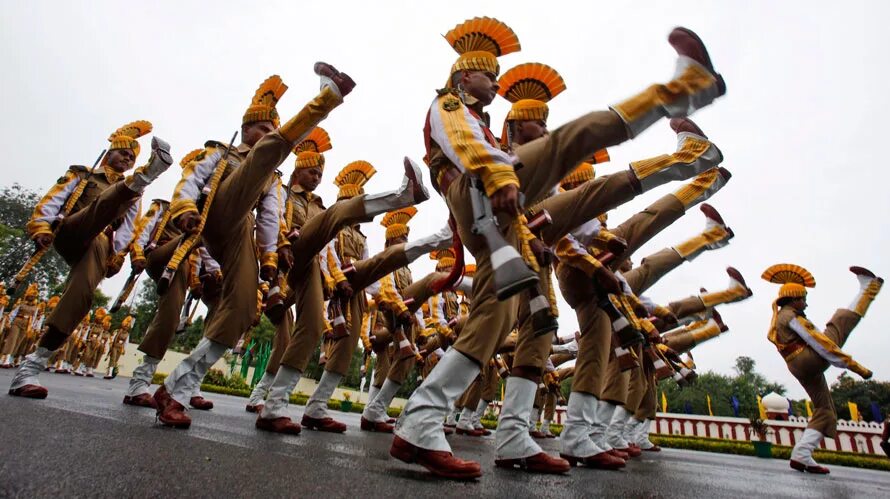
[83,442]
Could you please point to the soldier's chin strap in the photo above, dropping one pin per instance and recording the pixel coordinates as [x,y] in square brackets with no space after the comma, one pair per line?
[457,270]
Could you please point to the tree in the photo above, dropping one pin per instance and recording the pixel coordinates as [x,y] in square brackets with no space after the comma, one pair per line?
[16,206]
[863,393]
[143,309]
[746,385]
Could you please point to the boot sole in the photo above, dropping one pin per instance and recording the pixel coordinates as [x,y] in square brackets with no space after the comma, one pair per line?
[721,85]
[18,393]
[579,461]
[407,456]
[178,426]
[514,463]
[322,429]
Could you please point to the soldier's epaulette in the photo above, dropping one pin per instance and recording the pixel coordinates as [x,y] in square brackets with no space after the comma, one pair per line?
[79,170]
[449,99]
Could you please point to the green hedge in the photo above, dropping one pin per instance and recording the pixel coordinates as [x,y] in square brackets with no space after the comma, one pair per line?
[718,445]
[778,451]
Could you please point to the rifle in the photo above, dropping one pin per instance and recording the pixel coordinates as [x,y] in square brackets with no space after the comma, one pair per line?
[40,252]
[188,312]
[511,273]
[406,348]
[125,292]
[186,245]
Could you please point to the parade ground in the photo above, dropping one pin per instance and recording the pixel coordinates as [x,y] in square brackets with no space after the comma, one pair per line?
[83,442]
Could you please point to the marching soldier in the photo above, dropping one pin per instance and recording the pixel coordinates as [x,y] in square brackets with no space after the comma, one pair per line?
[235,178]
[808,351]
[394,291]
[92,345]
[460,147]
[118,346]
[156,241]
[29,339]
[88,218]
[347,258]
[71,352]
[20,320]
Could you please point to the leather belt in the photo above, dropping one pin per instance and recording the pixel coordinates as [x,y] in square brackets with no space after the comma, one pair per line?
[447,175]
[791,350]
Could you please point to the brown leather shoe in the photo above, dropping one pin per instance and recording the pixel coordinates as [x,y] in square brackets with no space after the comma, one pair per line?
[448,430]
[470,433]
[654,448]
[323,424]
[439,463]
[278,425]
[816,470]
[631,451]
[275,308]
[29,391]
[254,408]
[174,415]
[161,398]
[201,403]
[539,463]
[862,271]
[679,125]
[601,461]
[141,400]
[342,80]
[711,213]
[412,172]
[537,434]
[378,426]
[619,454]
[687,43]
[391,421]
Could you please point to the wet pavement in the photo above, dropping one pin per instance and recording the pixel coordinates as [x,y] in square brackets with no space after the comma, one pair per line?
[82,441]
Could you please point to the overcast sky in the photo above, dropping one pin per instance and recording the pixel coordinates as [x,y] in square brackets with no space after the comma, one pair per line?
[800,126]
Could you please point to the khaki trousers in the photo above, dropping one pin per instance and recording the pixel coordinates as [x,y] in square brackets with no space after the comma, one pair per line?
[420,291]
[651,269]
[549,406]
[81,243]
[681,341]
[304,278]
[13,336]
[595,357]
[544,162]
[809,368]
[490,383]
[636,388]
[228,231]
[162,329]
[649,404]
[539,398]
[384,364]
[367,272]
[470,398]
[72,352]
[279,343]
[687,306]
